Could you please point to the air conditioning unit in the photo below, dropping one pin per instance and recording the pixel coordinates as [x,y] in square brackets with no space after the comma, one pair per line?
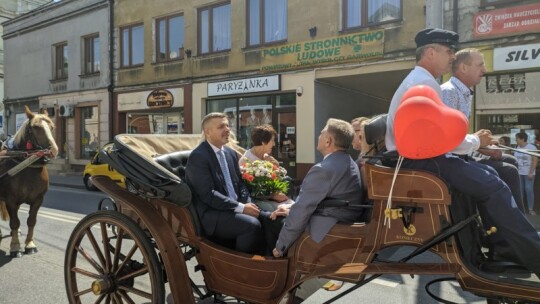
[66,111]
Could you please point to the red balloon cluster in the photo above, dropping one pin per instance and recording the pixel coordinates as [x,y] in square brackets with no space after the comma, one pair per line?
[424,127]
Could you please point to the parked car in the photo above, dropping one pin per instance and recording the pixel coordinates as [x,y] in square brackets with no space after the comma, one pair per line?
[98,167]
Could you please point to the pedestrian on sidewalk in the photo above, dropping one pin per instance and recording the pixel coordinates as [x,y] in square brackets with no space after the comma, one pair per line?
[527,169]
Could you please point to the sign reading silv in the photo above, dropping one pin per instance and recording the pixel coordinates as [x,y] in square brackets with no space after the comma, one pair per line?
[516,57]
[160,98]
[242,86]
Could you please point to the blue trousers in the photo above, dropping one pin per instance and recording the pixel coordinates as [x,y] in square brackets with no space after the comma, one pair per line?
[494,201]
[508,172]
[527,185]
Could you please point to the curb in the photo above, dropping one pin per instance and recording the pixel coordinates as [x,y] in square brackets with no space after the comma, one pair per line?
[66,185]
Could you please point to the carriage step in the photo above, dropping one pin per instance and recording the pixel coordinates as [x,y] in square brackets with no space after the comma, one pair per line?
[413,268]
[352,270]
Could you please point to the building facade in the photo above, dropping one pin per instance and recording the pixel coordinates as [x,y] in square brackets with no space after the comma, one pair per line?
[8,10]
[57,59]
[290,63]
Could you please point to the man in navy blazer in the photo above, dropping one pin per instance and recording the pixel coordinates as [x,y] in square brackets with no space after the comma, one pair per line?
[337,177]
[225,215]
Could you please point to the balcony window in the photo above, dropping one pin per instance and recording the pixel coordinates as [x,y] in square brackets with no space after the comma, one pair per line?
[215,28]
[91,54]
[170,38]
[362,13]
[132,46]
[267,21]
[60,61]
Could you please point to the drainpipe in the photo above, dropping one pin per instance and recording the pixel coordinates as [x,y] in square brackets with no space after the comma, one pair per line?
[455,15]
[110,87]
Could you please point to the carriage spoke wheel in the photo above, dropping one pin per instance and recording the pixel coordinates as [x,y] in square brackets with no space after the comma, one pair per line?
[102,267]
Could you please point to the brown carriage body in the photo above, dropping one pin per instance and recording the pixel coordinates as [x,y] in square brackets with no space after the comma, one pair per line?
[346,253]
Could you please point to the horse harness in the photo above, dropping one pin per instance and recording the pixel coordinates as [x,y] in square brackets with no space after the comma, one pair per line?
[31,155]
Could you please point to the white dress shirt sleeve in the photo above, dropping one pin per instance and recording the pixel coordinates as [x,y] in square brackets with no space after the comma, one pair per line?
[470,143]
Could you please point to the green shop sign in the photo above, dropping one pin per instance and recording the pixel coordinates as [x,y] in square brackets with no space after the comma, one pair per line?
[340,49]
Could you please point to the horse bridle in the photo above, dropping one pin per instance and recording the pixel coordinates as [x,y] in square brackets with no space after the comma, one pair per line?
[31,138]
[31,142]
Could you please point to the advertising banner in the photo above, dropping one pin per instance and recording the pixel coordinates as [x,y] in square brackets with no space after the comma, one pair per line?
[339,49]
[507,20]
[516,57]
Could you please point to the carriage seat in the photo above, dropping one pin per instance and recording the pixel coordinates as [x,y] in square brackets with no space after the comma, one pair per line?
[174,162]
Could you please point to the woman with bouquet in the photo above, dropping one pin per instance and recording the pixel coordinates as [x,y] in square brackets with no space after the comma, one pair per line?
[265,180]
[263,139]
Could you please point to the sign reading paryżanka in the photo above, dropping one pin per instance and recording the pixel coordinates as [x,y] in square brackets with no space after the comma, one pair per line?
[352,47]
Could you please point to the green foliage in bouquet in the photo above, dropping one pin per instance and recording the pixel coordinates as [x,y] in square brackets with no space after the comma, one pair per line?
[264,178]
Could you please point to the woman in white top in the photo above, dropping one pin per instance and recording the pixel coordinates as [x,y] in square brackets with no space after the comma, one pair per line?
[526,169]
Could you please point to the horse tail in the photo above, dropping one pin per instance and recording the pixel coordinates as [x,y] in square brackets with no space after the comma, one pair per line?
[3,211]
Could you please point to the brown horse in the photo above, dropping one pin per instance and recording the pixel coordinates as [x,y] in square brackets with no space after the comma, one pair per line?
[29,185]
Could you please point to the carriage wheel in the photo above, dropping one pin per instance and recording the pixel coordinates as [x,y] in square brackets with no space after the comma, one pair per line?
[88,183]
[100,267]
[107,203]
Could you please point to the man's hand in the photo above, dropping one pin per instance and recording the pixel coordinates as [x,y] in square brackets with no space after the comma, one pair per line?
[485,137]
[282,210]
[279,197]
[251,209]
[494,154]
[276,253]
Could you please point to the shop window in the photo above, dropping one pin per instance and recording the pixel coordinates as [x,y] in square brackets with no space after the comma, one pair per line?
[155,123]
[89,131]
[91,54]
[506,83]
[60,61]
[362,13]
[170,38]
[215,28]
[132,45]
[277,110]
[267,21]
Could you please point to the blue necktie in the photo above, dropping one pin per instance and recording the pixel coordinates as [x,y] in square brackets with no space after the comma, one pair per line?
[225,170]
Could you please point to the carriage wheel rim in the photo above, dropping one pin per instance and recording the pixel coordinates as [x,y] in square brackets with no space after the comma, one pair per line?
[116,275]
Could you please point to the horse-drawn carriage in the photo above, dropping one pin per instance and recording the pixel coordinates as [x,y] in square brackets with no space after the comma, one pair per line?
[128,254]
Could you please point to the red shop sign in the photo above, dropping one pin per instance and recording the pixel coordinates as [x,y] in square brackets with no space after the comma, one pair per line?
[508,20]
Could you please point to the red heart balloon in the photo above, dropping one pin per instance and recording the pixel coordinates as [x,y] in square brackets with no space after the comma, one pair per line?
[424,127]
[422,90]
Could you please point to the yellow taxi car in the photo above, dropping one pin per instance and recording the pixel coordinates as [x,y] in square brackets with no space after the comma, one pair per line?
[98,167]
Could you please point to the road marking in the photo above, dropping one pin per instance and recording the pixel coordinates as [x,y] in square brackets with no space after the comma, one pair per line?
[54,215]
[385,282]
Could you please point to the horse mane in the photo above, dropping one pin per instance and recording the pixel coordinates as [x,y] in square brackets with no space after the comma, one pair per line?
[19,136]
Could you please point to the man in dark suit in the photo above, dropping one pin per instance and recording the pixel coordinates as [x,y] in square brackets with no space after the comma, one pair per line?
[221,198]
[337,176]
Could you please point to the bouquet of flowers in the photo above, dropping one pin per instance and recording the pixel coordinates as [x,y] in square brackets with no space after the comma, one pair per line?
[264,178]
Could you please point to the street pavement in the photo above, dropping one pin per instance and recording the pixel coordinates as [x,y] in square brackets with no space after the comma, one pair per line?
[70,180]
